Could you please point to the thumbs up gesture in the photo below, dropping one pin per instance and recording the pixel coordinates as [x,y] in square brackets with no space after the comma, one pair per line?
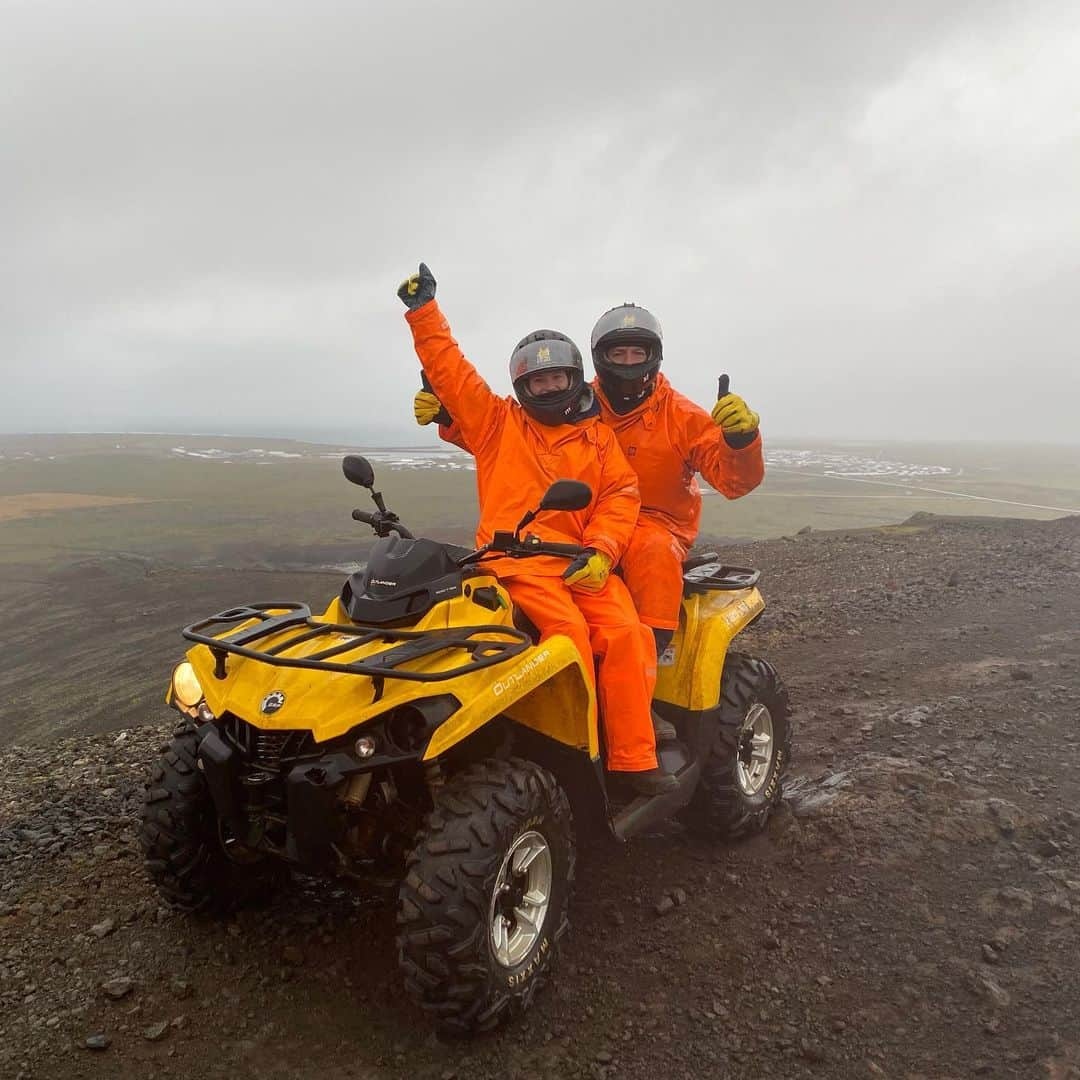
[733,416]
[418,289]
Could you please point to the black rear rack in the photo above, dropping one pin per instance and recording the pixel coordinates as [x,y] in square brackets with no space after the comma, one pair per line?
[707,573]
[406,645]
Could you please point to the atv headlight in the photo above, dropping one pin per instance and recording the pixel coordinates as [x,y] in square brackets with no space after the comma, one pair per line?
[186,691]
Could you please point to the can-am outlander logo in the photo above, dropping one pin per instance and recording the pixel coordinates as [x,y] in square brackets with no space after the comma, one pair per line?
[272,702]
[523,674]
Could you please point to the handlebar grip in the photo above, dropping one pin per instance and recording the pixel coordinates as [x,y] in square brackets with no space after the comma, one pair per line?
[425,382]
[571,550]
[383,526]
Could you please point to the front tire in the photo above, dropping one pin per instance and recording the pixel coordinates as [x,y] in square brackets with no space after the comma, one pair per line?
[742,777]
[483,903]
[182,840]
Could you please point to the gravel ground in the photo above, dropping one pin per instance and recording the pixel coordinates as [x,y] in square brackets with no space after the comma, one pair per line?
[913,909]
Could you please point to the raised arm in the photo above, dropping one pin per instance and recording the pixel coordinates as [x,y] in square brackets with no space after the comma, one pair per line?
[476,409]
[726,447]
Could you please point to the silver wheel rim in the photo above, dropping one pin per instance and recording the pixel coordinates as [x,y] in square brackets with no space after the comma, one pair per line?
[755,752]
[520,901]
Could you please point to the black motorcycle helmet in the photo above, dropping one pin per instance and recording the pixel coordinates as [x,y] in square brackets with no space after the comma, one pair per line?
[548,350]
[627,385]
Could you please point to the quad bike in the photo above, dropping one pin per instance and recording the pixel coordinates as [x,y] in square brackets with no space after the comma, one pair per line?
[417,734]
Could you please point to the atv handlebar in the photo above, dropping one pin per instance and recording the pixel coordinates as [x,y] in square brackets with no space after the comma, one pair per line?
[502,543]
[542,547]
[514,547]
[383,522]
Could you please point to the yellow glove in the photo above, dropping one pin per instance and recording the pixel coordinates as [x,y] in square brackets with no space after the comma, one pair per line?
[589,570]
[426,407]
[731,414]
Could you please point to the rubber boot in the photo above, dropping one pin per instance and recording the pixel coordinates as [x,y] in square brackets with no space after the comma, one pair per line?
[652,782]
[649,782]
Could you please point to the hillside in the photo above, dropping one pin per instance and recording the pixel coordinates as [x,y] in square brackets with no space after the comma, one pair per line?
[913,910]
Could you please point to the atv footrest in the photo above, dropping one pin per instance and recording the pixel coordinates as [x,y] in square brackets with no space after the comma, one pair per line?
[647,810]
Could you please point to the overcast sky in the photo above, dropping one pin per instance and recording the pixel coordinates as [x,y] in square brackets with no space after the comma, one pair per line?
[867,213]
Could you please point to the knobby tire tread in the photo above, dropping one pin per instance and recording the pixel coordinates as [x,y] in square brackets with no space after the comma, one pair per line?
[178,835]
[720,809]
[444,898]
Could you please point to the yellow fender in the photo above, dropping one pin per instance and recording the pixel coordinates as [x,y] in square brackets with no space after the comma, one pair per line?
[688,674]
[546,689]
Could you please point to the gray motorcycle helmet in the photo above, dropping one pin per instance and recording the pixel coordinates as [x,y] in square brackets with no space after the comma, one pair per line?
[548,350]
[627,385]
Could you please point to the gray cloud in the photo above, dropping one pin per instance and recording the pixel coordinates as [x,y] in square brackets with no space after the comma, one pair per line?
[866,215]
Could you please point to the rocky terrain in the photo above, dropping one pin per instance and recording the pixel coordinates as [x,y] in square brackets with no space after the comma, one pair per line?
[912,911]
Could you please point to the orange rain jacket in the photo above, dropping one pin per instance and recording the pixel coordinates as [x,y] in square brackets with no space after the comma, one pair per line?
[517,459]
[668,439]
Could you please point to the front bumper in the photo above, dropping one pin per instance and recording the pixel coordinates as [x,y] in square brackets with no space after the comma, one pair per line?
[308,792]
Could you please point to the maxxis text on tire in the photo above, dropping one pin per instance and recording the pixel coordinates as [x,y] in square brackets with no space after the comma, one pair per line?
[721,808]
[446,949]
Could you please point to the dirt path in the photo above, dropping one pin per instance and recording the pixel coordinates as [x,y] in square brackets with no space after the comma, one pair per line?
[912,911]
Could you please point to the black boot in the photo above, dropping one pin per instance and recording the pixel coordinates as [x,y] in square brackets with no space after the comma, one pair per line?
[649,782]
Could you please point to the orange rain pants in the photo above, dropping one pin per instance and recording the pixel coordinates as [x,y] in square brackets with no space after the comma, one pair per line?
[652,570]
[604,625]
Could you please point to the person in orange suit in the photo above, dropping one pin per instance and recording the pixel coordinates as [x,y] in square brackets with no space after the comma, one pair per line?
[552,431]
[668,440]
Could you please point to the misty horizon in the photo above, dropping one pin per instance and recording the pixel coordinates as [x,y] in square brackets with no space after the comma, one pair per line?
[425,439]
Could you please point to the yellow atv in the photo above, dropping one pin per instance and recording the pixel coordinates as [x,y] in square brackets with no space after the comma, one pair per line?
[417,733]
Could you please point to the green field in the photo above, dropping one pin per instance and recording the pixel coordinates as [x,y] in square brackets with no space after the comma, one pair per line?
[267,503]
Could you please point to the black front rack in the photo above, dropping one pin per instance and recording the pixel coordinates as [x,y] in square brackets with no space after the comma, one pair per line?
[405,645]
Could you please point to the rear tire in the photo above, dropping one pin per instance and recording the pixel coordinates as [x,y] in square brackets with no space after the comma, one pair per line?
[181,838]
[483,904]
[738,789]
